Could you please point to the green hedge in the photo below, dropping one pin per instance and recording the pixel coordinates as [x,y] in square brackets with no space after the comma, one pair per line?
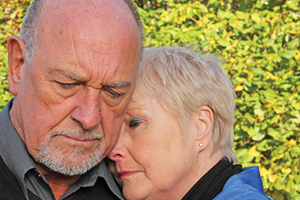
[259,41]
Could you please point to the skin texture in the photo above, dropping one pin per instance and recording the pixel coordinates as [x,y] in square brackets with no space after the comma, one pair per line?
[81,79]
[152,159]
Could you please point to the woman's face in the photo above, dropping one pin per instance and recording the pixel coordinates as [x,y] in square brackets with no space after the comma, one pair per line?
[152,158]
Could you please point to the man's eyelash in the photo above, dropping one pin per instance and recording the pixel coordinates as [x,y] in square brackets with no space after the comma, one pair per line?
[114,94]
[66,85]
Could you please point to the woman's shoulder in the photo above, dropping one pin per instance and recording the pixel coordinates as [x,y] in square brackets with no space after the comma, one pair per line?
[245,185]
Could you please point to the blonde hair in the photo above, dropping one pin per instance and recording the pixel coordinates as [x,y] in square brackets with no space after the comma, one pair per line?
[183,81]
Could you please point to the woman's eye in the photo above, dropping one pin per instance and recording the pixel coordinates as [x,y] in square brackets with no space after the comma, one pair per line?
[134,123]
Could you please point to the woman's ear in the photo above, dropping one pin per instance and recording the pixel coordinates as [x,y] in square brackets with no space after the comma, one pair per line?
[16,62]
[204,121]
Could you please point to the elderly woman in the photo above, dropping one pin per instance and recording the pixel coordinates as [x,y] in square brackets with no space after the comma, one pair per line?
[177,138]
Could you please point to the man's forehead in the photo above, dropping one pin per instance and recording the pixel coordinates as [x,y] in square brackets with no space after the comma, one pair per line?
[76,11]
[99,27]
[105,48]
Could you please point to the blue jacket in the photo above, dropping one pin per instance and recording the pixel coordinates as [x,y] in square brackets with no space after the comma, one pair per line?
[246,185]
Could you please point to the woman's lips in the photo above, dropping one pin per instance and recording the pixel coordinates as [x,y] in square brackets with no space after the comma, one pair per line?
[124,174]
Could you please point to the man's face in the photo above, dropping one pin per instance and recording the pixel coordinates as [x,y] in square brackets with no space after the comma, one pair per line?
[72,98]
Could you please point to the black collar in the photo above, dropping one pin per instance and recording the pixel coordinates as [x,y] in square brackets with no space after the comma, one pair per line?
[212,183]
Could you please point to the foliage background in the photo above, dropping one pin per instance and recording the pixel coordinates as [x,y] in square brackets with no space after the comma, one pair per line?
[259,41]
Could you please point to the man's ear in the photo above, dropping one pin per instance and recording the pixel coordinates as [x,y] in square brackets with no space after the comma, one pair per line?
[16,62]
[204,120]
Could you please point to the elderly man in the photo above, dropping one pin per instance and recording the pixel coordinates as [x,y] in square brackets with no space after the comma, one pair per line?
[72,73]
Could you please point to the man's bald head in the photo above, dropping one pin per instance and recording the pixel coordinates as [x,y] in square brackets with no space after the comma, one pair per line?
[28,32]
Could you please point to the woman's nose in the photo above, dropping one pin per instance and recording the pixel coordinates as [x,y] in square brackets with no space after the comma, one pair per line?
[120,150]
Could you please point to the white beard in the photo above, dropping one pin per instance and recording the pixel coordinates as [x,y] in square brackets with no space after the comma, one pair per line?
[72,162]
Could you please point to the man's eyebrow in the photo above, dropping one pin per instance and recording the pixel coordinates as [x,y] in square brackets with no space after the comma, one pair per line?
[70,74]
[78,78]
[119,84]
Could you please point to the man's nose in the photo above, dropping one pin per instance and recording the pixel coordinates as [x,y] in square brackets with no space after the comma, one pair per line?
[87,113]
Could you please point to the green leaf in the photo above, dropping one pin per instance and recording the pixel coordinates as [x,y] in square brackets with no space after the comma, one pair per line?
[273,133]
[13,15]
[279,185]
[288,54]
[268,42]
[255,17]
[245,128]
[190,12]
[211,2]
[242,15]
[256,134]
[223,42]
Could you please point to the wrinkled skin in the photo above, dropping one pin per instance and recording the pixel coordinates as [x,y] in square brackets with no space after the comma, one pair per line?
[80,80]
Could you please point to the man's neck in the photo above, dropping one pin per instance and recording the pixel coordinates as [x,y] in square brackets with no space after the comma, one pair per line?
[59,183]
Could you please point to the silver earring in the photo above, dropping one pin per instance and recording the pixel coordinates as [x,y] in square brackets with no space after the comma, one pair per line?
[200,144]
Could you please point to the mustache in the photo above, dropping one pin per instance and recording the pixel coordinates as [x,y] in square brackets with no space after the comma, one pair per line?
[85,134]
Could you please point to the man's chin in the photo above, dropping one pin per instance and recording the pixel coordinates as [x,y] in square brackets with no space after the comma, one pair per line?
[72,163]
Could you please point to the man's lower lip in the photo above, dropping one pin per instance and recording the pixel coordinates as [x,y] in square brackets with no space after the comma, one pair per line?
[78,142]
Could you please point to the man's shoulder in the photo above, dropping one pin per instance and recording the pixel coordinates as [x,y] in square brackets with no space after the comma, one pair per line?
[9,186]
[11,189]
[246,185]
[100,189]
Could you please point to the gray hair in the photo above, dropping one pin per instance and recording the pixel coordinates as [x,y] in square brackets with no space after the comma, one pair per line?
[28,33]
[183,81]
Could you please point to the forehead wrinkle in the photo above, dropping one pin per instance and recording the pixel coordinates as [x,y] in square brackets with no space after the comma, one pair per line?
[123,51]
[73,47]
[94,52]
